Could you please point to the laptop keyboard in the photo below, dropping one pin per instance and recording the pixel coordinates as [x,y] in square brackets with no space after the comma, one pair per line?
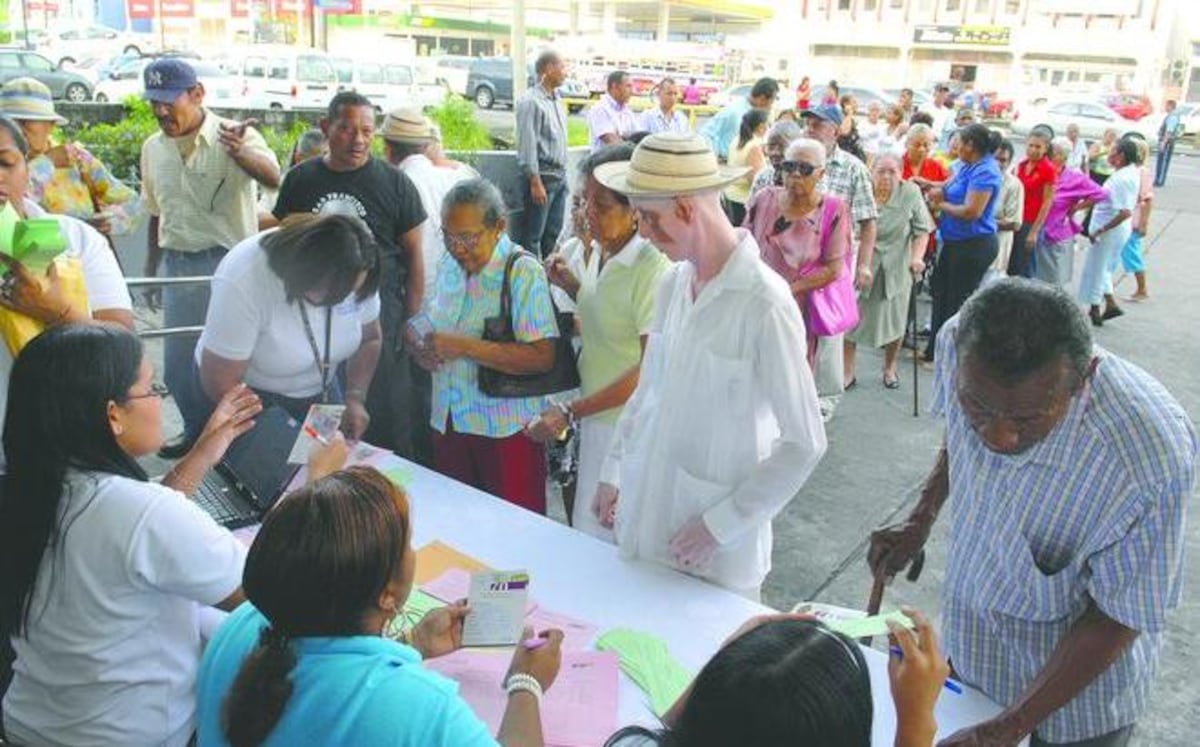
[214,500]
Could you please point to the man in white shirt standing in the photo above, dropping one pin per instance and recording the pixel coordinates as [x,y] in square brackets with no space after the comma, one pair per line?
[665,117]
[723,428]
[611,120]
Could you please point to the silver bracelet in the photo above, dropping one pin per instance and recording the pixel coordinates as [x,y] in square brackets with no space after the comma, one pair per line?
[523,683]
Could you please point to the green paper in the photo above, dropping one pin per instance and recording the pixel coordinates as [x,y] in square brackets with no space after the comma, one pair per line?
[398,474]
[646,660]
[416,607]
[36,242]
[867,627]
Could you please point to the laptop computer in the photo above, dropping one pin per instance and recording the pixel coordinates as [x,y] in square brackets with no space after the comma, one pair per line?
[244,485]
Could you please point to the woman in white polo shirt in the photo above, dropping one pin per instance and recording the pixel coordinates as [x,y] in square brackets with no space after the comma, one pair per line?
[288,308]
[104,571]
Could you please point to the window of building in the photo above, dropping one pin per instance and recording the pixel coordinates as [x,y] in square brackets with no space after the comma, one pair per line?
[1012,7]
[869,6]
[844,4]
[896,4]
[983,7]
[953,6]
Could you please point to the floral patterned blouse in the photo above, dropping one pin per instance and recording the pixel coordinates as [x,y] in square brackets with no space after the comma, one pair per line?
[83,188]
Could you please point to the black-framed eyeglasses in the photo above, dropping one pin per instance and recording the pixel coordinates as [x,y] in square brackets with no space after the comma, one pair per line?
[790,168]
[156,390]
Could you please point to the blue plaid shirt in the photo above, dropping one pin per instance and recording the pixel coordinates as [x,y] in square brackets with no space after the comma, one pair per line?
[1095,511]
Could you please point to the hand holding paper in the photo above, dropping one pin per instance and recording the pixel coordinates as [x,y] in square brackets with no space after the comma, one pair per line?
[497,601]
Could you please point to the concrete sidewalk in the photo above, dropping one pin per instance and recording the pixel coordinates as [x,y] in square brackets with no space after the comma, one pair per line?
[879,454]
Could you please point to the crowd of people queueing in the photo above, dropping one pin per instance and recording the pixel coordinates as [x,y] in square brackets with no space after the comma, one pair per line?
[377,282]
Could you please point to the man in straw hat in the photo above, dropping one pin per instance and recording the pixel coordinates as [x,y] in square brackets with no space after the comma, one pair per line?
[723,428]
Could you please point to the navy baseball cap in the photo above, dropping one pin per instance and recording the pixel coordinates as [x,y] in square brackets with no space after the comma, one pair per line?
[828,112]
[166,78]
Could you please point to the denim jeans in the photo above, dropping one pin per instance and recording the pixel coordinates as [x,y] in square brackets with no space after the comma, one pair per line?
[541,224]
[185,306]
[1163,162]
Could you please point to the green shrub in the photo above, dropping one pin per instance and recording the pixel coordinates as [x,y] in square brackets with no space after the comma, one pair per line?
[119,145]
[461,130]
[577,133]
[282,141]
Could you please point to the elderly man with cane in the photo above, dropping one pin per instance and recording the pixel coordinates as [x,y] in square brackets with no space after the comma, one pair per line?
[1067,471]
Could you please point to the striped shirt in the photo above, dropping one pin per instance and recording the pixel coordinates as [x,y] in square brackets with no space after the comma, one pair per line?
[1095,511]
[541,134]
[460,305]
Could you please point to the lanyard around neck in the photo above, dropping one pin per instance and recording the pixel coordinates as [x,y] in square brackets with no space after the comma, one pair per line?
[322,362]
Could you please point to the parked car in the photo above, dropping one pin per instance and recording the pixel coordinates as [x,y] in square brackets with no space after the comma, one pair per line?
[63,84]
[573,89]
[1092,117]
[454,70]
[221,90]
[390,85]
[71,44]
[865,95]
[1191,119]
[287,77]
[490,81]
[1129,105]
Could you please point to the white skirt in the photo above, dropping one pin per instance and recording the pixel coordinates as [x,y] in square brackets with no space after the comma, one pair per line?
[594,439]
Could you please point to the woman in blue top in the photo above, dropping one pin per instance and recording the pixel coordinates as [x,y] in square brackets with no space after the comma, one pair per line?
[305,661]
[966,208]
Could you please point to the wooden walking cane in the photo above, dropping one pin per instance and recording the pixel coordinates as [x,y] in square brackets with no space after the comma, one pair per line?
[912,325]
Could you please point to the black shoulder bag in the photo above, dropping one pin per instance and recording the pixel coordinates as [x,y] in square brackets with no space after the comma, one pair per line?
[563,375]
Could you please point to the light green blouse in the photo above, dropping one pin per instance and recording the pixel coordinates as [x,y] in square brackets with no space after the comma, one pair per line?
[615,308]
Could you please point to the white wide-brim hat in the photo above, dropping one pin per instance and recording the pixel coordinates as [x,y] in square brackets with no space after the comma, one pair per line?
[667,164]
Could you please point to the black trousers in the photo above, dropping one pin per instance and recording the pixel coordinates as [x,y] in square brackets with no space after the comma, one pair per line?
[959,270]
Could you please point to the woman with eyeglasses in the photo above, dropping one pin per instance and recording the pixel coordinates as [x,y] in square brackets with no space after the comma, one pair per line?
[615,308]
[479,439]
[904,226]
[802,232]
[787,680]
[105,570]
[290,307]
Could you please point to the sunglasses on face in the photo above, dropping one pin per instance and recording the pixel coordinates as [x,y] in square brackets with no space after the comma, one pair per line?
[797,167]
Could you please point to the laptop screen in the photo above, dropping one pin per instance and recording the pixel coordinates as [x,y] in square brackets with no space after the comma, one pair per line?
[258,459]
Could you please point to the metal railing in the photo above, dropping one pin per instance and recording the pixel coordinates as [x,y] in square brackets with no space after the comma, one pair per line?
[162,332]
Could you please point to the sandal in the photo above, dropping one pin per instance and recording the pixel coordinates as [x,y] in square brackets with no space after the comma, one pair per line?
[891,382]
[850,384]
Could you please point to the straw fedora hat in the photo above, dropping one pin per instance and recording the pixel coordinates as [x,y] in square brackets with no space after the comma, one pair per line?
[407,125]
[668,163]
[30,100]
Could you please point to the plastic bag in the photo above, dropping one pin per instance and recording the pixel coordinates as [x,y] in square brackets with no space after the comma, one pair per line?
[18,329]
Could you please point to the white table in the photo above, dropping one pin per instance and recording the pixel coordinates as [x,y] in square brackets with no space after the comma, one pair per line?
[575,574]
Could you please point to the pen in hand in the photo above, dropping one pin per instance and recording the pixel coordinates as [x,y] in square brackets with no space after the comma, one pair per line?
[951,685]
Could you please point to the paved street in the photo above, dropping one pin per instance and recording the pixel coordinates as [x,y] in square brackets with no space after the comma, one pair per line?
[879,453]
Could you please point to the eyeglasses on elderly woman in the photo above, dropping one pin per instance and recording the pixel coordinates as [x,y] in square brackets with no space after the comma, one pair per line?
[797,168]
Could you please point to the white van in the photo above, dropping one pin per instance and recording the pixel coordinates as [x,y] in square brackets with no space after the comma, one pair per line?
[389,85]
[287,78]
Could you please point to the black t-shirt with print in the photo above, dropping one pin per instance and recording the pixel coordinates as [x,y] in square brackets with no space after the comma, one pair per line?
[378,193]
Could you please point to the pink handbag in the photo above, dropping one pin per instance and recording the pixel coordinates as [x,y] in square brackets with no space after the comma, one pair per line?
[833,309]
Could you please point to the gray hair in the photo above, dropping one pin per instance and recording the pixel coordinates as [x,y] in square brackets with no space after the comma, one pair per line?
[807,145]
[920,129]
[885,155]
[1061,145]
[18,135]
[1016,327]
[480,193]
[784,131]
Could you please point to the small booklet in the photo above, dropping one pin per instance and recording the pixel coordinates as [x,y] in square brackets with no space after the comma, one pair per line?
[497,600]
[319,426]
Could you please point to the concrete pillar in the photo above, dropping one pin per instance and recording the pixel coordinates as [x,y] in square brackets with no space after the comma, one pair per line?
[608,22]
[573,18]
[664,21]
[517,47]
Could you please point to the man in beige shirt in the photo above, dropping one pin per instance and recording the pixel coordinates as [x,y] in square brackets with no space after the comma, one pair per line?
[198,184]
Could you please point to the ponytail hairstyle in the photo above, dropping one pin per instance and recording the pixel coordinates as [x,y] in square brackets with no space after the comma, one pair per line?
[751,121]
[345,536]
[61,386]
[790,682]
[983,140]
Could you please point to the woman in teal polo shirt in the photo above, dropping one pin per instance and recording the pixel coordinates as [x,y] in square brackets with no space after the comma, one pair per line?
[305,660]
[966,209]
[615,307]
